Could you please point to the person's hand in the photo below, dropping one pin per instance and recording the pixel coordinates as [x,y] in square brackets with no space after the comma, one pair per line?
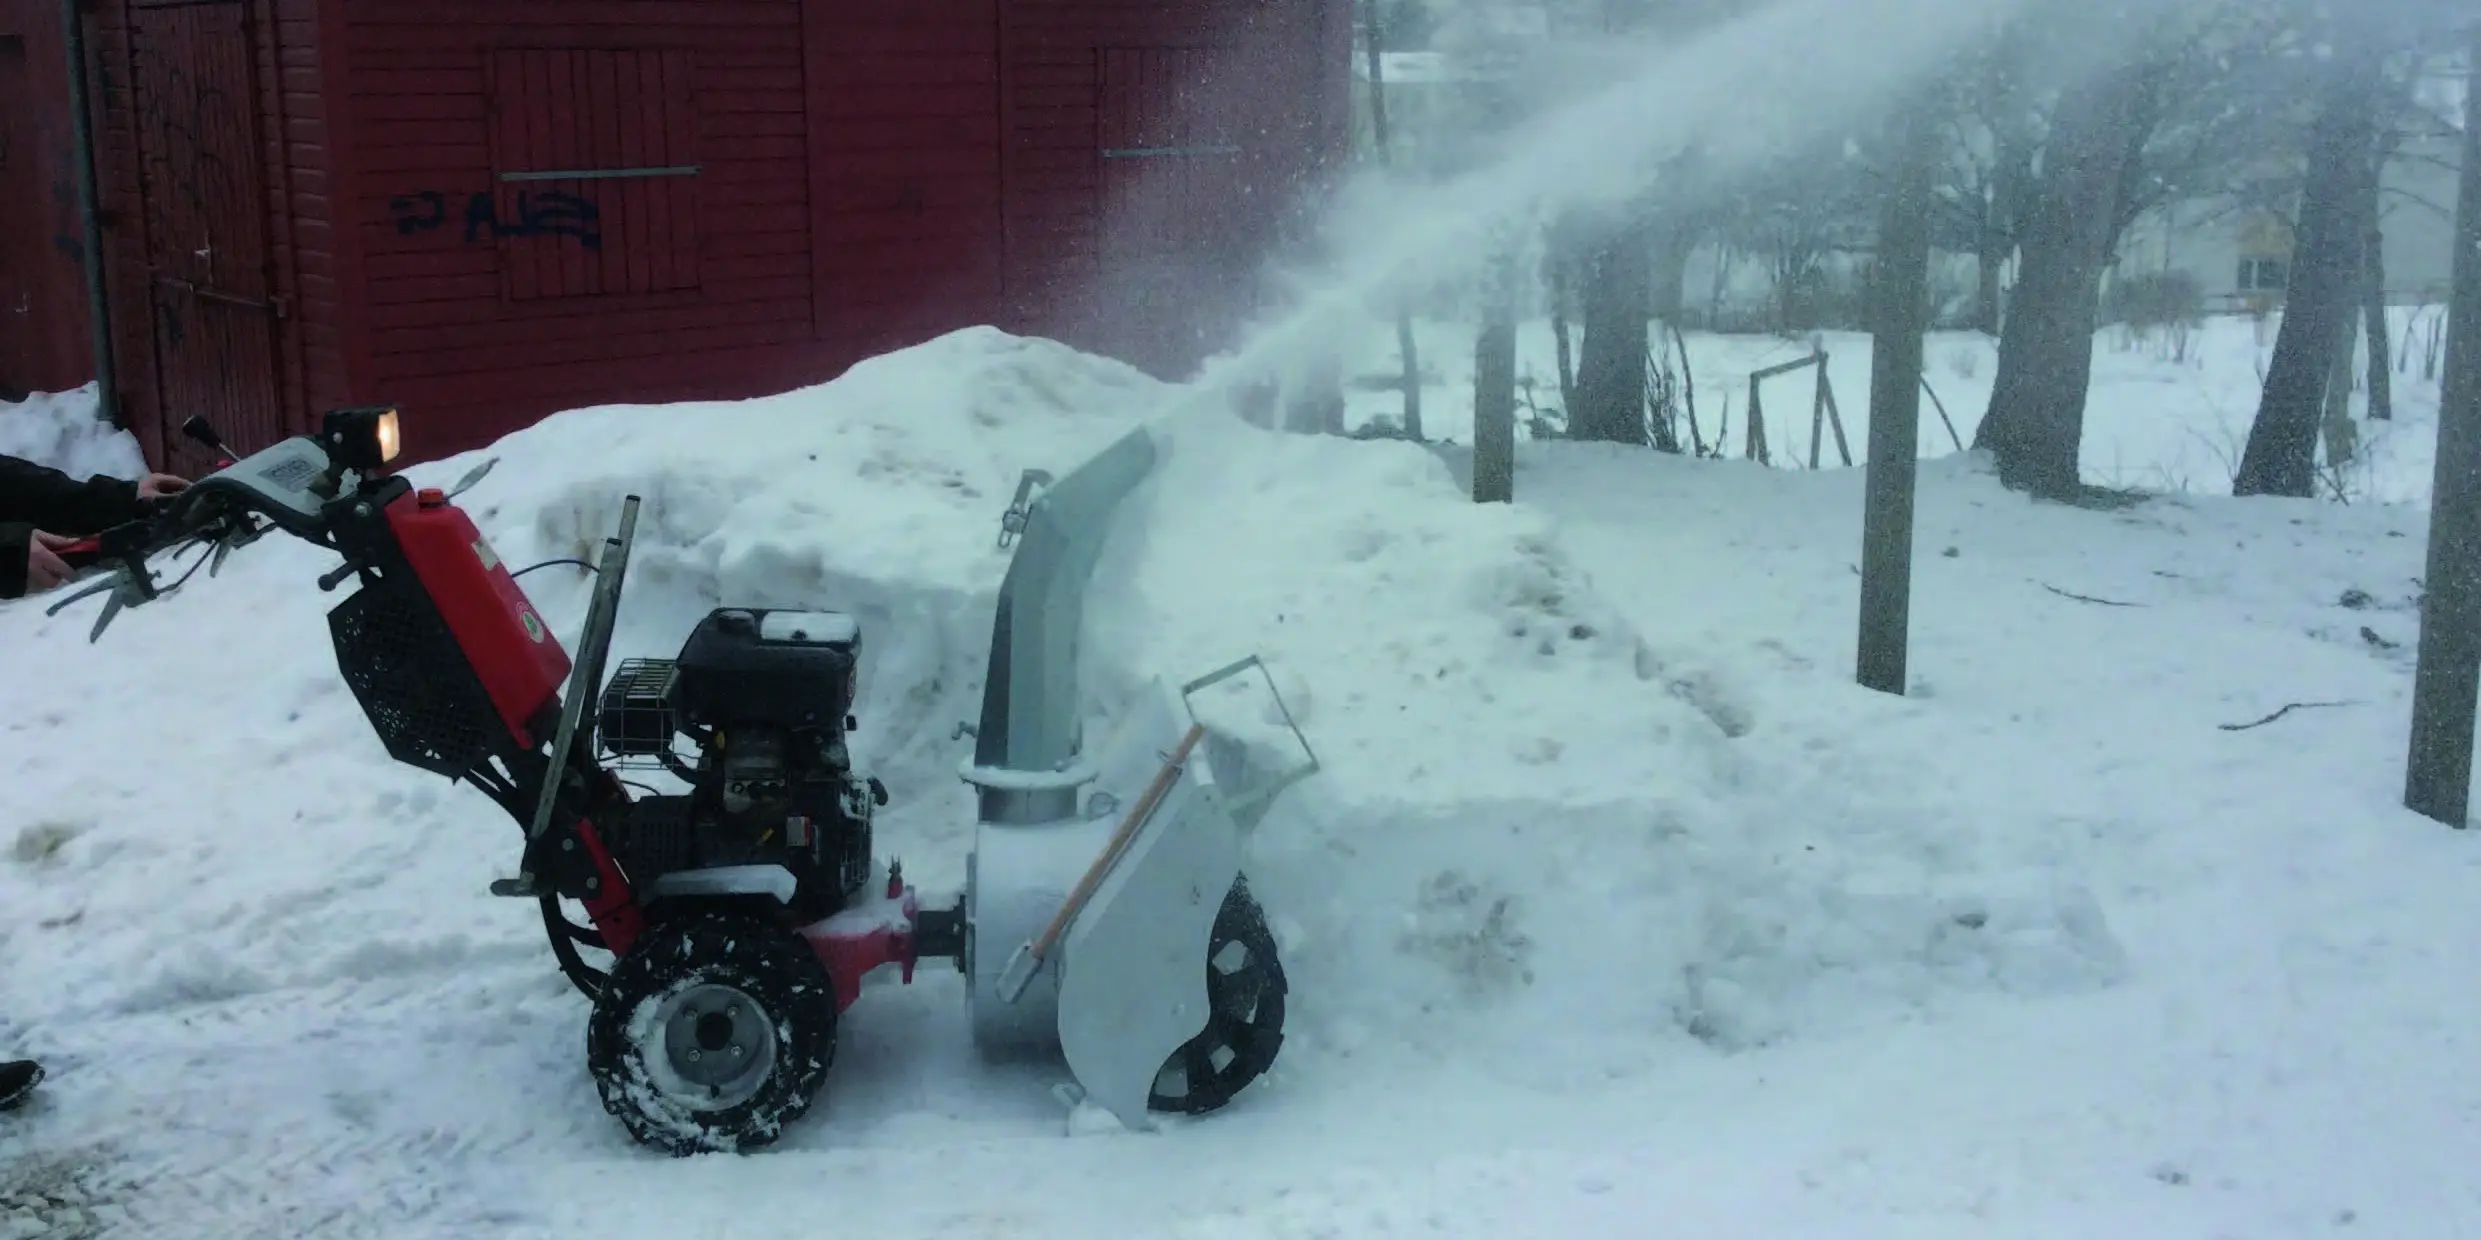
[44,567]
[157,486]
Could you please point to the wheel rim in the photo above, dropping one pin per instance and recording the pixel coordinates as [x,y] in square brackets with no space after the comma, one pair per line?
[1245,991]
[714,1046]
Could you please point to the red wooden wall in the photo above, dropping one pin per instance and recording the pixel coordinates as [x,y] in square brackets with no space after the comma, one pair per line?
[211,159]
[43,309]
[1154,154]
[487,213]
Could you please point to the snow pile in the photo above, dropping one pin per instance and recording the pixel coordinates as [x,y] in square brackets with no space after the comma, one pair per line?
[1535,824]
[60,429]
[896,471]
[879,494]
[1607,849]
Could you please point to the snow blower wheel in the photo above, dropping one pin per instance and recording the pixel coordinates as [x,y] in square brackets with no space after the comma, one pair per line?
[1245,1020]
[712,1033]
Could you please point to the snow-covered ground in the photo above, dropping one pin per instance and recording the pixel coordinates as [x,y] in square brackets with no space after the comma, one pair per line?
[1618,910]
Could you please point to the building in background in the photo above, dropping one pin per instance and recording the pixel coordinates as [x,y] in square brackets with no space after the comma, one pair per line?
[486,213]
[2238,248]
[43,319]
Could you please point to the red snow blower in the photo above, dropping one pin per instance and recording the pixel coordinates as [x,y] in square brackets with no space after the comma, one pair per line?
[743,914]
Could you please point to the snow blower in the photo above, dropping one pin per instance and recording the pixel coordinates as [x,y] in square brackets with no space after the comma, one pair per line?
[1104,918]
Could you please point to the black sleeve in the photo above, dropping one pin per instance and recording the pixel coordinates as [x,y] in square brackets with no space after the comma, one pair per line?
[14,538]
[51,500]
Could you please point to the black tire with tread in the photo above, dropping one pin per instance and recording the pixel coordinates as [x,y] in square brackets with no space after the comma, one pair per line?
[750,953]
[1245,1017]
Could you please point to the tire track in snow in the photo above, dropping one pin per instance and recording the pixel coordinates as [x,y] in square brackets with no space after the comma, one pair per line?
[371,1108]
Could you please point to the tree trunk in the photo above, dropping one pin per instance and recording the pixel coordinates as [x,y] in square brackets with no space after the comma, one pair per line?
[2438,774]
[1673,245]
[2341,434]
[2281,457]
[2035,422]
[2373,288]
[1406,351]
[1410,352]
[1992,257]
[1314,399]
[1559,284]
[1610,380]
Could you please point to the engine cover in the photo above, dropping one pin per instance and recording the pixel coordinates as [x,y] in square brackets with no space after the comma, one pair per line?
[752,667]
[766,696]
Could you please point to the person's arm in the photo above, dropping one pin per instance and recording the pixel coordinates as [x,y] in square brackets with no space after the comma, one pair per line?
[15,537]
[45,497]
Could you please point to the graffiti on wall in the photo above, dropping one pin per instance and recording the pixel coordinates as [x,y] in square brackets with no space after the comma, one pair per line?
[543,214]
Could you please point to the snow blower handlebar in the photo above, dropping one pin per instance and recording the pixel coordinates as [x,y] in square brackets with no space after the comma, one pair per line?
[288,486]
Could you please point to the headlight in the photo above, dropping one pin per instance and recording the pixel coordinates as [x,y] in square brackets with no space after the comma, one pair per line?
[362,438]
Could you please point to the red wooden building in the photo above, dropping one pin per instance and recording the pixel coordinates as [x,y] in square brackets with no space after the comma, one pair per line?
[43,318]
[486,212]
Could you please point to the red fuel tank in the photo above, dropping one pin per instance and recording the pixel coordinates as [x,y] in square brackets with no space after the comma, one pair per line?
[521,665]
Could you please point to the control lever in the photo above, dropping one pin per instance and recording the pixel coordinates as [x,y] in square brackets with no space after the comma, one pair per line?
[471,477]
[200,429]
[87,593]
[116,590]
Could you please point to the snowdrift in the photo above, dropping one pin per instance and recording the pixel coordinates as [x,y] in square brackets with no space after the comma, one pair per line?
[60,429]
[1531,816]
[1546,848]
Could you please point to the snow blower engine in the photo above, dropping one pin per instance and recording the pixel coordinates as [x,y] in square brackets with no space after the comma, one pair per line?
[1104,916]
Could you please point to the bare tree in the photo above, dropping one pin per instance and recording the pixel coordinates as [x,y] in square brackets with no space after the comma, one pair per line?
[1617,283]
[2325,289]
[1992,135]
[2035,423]
[1615,264]
[1374,42]
[2180,120]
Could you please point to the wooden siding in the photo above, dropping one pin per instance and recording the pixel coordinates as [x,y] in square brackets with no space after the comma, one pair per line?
[867,174]
[43,311]
[126,287]
[327,266]
[905,182]
[1259,77]
[264,381]
[473,279]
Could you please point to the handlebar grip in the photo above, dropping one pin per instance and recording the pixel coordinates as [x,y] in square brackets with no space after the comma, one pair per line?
[81,553]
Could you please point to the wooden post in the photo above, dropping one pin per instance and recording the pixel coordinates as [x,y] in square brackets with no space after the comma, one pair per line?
[1817,410]
[1494,389]
[1901,311]
[1756,449]
[1834,418]
[2438,771]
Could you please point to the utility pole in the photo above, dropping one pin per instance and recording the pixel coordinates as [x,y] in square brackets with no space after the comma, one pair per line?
[2438,770]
